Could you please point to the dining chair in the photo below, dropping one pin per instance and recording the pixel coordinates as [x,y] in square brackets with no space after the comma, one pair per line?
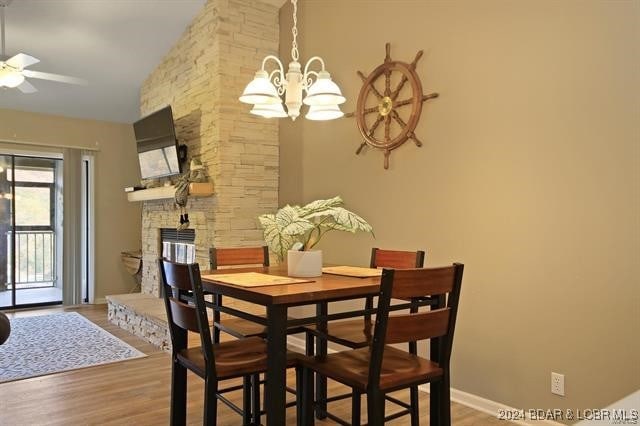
[358,333]
[378,369]
[242,256]
[241,358]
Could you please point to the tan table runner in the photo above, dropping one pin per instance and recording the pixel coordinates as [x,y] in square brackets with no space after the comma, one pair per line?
[254,279]
[352,271]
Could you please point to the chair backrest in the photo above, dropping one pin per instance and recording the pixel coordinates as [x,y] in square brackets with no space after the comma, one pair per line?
[443,282]
[180,283]
[5,328]
[396,259]
[239,256]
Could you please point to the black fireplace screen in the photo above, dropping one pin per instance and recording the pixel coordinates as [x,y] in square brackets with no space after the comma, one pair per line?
[178,246]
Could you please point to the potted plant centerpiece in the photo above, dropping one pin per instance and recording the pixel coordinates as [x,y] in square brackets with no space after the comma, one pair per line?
[295,230]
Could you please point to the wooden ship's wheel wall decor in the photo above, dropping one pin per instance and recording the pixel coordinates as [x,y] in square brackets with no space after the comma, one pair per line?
[389,130]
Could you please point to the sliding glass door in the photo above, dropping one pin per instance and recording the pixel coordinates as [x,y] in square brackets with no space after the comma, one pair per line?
[30,231]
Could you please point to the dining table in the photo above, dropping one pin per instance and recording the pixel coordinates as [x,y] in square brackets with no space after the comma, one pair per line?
[277,299]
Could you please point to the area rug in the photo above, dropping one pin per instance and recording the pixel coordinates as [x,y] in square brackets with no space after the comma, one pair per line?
[58,342]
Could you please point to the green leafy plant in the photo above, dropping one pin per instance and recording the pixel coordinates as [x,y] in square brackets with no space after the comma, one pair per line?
[307,225]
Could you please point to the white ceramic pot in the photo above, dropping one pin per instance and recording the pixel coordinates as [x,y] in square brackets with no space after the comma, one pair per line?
[304,263]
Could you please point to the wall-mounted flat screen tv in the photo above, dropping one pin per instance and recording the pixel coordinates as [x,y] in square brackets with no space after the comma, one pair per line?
[157,145]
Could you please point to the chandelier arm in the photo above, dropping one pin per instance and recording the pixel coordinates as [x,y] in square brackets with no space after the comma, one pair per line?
[278,80]
[275,58]
[308,73]
[307,80]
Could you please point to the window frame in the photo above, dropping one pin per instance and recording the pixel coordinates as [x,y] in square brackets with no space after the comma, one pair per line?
[52,192]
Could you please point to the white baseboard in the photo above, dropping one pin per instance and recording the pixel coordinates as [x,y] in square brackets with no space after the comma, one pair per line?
[472,401]
[99,301]
[491,407]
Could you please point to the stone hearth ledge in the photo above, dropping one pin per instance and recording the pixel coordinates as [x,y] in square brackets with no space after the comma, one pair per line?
[142,315]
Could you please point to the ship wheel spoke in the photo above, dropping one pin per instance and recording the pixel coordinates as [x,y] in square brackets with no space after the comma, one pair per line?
[372,130]
[413,64]
[396,92]
[387,128]
[387,82]
[409,101]
[370,110]
[401,122]
[402,103]
[373,88]
[375,125]
[398,120]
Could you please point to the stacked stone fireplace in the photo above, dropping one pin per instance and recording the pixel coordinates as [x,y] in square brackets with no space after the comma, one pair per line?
[201,78]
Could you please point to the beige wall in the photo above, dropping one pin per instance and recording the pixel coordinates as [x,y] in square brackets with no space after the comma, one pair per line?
[117,222]
[529,174]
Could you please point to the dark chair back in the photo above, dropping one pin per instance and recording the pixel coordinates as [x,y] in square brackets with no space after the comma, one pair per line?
[181,283]
[443,283]
[396,259]
[5,328]
[239,256]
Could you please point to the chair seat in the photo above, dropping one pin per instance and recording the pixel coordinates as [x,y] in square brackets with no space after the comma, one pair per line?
[240,327]
[234,358]
[356,333]
[399,369]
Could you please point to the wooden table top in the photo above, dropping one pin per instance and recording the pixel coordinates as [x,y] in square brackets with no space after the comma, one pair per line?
[325,288]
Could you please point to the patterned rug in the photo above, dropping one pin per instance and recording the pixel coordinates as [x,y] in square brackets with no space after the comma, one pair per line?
[53,343]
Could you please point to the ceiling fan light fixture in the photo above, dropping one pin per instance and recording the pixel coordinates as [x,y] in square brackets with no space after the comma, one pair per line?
[10,78]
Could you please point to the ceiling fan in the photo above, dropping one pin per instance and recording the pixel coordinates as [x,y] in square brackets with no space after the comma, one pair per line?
[13,72]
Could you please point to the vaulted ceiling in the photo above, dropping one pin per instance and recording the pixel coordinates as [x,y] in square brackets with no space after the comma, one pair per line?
[114,44]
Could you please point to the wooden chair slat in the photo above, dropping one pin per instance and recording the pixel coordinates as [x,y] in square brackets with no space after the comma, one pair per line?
[396,259]
[418,326]
[410,283]
[184,315]
[239,256]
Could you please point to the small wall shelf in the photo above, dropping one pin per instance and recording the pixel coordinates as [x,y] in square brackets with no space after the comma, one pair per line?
[166,192]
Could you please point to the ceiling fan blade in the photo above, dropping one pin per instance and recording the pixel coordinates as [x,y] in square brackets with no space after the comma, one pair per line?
[21,61]
[54,77]
[27,87]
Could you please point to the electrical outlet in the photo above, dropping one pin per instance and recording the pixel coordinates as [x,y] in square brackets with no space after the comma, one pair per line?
[557,383]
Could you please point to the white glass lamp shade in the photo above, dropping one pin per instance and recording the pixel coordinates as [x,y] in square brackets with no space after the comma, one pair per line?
[324,92]
[269,110]
[11,78]
[260,90]
[324,112]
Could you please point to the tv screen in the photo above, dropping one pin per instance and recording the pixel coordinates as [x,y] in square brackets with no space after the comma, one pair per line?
[157,145]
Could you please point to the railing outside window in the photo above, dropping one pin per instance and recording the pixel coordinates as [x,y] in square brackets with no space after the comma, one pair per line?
[35,259]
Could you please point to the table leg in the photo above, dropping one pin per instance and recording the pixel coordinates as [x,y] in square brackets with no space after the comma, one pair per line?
[276,365]
[321,351]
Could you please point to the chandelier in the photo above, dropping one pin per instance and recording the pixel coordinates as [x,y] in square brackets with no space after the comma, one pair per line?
[265,90]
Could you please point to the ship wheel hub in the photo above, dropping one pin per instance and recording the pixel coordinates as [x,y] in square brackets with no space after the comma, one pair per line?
[385,106]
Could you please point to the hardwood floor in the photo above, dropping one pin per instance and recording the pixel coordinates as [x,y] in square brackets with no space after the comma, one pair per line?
[136,392]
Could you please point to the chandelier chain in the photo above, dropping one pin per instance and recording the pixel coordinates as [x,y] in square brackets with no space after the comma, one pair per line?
[294,32]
